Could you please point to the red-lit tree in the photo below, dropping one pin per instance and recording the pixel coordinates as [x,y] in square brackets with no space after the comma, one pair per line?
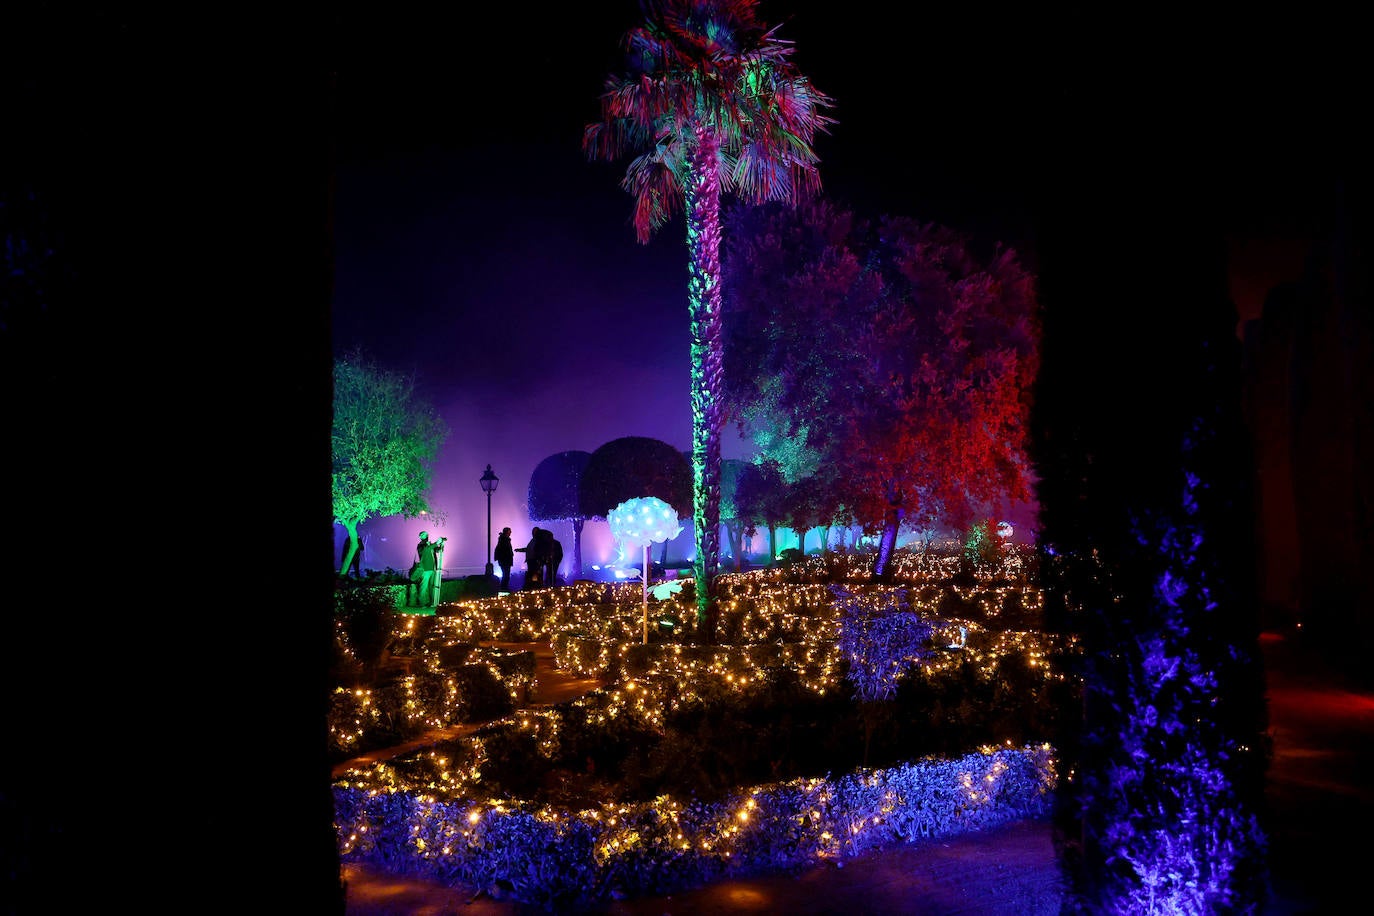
[903,359]
[711,103]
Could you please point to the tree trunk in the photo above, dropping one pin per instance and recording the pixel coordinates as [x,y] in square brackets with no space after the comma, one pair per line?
[772,545]
[702,206]
[891,522]
[736,535]
[352,529]
[577,548]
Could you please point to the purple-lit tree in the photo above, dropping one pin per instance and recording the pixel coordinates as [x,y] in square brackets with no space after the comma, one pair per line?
[711,103]
[1167,792]
[554,494]
[918,392]
[383,445]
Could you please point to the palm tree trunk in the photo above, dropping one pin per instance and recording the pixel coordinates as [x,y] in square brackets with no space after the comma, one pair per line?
[702,193]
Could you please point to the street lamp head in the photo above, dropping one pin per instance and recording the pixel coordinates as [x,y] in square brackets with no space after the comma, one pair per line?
[489,481]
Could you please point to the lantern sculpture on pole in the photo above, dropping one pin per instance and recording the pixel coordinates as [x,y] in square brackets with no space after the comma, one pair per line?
[639,523]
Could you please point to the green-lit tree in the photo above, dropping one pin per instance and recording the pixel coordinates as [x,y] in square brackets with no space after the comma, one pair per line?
[711,103]
[383,444]
[554,495]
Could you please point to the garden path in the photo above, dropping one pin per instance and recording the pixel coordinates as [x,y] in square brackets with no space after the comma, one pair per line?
[552,686]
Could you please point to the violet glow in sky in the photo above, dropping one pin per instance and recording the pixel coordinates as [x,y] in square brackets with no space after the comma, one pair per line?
[477,248]
[532,321]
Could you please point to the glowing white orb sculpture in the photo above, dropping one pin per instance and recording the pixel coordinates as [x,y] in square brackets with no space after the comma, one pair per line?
[639,523]
[1004,530]
[643,521]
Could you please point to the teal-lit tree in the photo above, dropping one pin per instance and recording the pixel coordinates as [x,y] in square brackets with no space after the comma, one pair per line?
[759,500]
[730,469]
[383,445]
[554,494]
[710,103]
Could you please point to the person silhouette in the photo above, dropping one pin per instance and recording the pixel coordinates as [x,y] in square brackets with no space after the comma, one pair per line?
[534,558]
[505,557]
[553,557]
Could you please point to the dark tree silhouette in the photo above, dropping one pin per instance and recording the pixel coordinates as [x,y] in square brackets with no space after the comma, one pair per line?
[759,501]
[631,467]
[1147,557]
[813,503]
[730,469]
[555,495]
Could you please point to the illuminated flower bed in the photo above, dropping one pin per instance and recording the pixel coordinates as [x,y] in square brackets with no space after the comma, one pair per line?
[704,760]
[563,858]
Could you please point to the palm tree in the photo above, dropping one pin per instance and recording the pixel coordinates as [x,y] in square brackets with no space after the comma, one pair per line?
[711,103]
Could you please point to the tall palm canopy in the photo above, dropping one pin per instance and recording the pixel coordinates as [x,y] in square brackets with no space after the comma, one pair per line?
[710,103]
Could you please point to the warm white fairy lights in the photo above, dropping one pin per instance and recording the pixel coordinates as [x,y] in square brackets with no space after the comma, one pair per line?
[773,619]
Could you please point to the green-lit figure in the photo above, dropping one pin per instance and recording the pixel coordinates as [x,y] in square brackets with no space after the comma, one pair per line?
[424,573]
[710,103]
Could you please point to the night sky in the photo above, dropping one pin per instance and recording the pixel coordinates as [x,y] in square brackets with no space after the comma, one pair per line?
[478,249]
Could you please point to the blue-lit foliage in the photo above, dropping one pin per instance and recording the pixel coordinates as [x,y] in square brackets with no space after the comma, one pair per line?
[1164,796]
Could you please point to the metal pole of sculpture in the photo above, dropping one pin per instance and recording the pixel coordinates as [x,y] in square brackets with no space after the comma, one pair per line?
[646,593]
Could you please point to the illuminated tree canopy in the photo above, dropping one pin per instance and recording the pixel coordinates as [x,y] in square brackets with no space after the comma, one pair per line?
[554,494]
[383,445]
[631,467]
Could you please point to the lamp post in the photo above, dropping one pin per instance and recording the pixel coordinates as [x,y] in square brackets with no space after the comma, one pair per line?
[489,482]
